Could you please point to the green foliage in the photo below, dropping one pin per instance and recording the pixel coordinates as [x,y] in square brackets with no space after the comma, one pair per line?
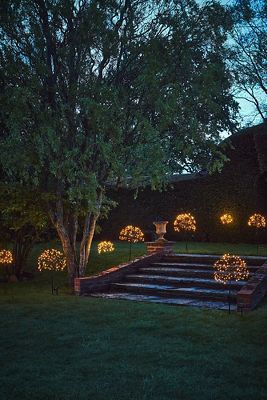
[98,94]
[94,92]
[22,220]
[20,207]
[241,188]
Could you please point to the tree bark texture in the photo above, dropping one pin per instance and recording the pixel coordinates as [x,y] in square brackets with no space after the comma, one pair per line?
[66,225]
[88,234]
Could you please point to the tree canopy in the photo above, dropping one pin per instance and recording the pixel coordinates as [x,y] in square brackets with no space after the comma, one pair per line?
[98,93]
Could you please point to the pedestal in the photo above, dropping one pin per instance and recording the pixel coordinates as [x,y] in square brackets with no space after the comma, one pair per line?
[159,246]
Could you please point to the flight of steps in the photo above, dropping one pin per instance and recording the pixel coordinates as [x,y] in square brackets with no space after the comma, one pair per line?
[179,279]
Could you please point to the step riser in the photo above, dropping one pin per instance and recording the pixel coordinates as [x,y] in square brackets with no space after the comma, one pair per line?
[204,260]
[189,261]
[211,285]
[204,274]
[171,293]
[206,267]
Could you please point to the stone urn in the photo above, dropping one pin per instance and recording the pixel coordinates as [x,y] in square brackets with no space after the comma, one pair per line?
[160,230]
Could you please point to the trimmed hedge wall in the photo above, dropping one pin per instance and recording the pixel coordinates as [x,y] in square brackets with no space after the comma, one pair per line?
[241,188]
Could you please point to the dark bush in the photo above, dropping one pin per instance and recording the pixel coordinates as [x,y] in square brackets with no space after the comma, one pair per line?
[241,188]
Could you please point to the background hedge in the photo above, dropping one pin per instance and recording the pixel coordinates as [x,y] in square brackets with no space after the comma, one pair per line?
[241,188]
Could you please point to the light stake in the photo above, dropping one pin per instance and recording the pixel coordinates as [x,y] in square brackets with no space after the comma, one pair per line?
[131,234]
[230,268]
[185,222]
[257,221]
[52,260]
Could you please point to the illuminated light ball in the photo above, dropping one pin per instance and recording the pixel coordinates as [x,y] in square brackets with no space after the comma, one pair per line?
[257,221]
[185,222]
[229,268]
[105,247]
[131,234]
[226,219]
[6,257]
[52,260]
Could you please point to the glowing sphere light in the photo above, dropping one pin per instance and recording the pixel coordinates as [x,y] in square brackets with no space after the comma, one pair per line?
[52,260]
[131,234]
[230,268]
[226,219]
[6,257]
[185,222]
[105,247]
[257,221]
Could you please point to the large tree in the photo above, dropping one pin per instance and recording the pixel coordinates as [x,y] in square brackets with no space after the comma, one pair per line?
[100,93]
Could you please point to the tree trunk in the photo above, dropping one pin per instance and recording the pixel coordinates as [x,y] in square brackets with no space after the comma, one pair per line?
[85,246]
[86,230]
[66,226]
[88,234]
[69,252]
[67,237]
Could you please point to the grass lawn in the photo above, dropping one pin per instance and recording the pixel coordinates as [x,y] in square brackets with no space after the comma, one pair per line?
[66,347]
[100,262]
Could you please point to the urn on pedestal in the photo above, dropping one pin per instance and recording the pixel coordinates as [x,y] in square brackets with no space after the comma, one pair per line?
[161,245]
[160,230]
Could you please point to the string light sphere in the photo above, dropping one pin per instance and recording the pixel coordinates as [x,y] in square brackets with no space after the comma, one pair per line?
[6,257]
[229,268]
[105,247]
[257,221]
[52,260]
[226,219]
[185,222]
[131,234]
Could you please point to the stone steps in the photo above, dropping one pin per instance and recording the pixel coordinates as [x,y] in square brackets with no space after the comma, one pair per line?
[177,301]
[199,266]
[173,291]
[172,271]
[209,259]
[184,279]
[180,281]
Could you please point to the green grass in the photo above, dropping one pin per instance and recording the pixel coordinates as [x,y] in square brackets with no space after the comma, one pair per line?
[67,348]
[100,262]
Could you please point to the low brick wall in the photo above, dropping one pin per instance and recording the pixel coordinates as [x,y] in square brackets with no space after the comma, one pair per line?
[102,281]
[159,247]
[253,292]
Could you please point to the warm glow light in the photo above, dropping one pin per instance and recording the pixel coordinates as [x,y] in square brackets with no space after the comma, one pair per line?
[257,221]
[185,222]
[51,259]
[6,257]
[131,234]
[229,268]
[105,247]
[226,219]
